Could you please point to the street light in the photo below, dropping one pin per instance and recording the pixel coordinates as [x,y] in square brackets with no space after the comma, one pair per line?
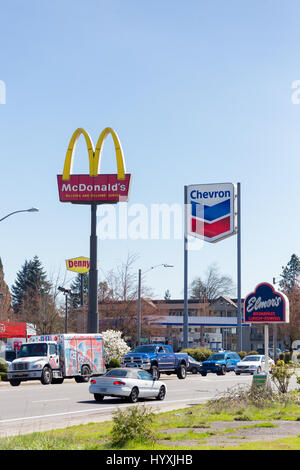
[65,292]
[139,297]
[32,209]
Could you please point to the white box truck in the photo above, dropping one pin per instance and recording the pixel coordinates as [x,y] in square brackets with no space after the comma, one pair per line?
[52,358]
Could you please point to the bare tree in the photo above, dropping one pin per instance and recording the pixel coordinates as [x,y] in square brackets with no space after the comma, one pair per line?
[212,286]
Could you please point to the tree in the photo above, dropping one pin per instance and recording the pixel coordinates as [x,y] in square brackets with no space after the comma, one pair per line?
[5,297]
[118,300]
[291,331]
[34,298]
[114,346]
[212,286]
[76,289]
[290,274]
[31,279]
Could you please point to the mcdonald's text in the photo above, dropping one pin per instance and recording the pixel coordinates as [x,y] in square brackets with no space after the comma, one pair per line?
[100,189]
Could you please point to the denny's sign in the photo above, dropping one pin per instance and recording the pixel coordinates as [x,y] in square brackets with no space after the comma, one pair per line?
[78,265]
[94,188]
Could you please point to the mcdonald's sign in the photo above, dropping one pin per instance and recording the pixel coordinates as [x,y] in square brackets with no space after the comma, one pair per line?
[94,188]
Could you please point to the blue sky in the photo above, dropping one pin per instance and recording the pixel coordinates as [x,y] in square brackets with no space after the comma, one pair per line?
[198,92]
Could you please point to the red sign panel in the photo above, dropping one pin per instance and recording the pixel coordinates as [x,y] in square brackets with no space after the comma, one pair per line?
[101,189]
[12,330]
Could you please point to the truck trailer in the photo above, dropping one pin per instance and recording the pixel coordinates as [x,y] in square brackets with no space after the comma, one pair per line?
[52,358]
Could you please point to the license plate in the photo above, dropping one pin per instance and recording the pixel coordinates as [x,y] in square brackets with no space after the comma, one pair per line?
[103,389]
[20,373]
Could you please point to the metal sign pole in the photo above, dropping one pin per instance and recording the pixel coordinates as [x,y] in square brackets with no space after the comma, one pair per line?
[266,348]
[186,314]
[239,313]
[93,316]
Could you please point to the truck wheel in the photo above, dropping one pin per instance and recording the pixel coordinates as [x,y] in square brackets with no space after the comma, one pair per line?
[46,377]
[155,372]
[181,372]
[15,382]
[85,375]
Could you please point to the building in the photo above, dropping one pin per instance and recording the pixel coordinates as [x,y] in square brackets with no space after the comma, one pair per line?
[212,324]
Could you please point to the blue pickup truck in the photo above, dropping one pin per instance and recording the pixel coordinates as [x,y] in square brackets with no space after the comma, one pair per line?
[157,359]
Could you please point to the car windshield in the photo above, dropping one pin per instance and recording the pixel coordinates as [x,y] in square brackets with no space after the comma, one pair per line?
[33,349]
[216,357]
[145,349]
[251,358]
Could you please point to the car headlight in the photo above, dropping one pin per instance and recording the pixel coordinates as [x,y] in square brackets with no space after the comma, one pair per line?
[216,364]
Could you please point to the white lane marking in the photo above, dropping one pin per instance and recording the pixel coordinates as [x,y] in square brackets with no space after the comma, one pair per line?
[91,410]
[53,399]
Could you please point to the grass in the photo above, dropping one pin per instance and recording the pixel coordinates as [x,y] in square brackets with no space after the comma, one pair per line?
[184,429]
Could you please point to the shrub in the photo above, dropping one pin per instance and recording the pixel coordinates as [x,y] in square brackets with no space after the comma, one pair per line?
[3,369]
[3,365]
[113,363]
[132,424]
[199,354]
[252,353]
[281,374]
[242,354]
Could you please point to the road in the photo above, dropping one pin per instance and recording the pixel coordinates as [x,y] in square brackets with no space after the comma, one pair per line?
[33,407]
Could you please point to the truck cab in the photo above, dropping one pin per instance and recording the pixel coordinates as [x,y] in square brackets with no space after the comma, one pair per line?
[35,361]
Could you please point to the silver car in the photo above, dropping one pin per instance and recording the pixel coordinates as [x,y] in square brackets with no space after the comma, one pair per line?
[252,364]
[128,383]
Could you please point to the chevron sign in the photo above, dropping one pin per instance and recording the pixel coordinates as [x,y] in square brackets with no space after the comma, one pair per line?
[211,213]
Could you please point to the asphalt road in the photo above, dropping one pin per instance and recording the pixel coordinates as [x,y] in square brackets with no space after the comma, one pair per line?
[33,407]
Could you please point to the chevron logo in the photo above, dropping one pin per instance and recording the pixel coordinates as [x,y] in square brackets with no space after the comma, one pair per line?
[212,219]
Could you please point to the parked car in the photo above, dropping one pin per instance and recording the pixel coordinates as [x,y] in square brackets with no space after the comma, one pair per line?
[252,364]
[220,363]
[194,366]
[130,383]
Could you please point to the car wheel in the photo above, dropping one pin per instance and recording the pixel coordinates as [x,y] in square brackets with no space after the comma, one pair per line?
[133,397]
[162,393]
[194,370]
[46,377]
[155,372]
[15,382]
[98,397]
[237,373]
[204,374]
[222,371]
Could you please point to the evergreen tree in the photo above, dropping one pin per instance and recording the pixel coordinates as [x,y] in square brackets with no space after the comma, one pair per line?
[31,280]
[76,289]
[290,274]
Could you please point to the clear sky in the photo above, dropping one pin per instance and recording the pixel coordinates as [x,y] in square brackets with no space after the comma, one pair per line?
[198,91]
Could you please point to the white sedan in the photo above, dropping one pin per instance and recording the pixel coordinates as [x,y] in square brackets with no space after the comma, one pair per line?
[252,364]
[128,383]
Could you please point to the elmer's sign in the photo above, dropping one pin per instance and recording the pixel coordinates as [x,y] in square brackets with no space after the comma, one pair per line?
[266,305]
[78,265]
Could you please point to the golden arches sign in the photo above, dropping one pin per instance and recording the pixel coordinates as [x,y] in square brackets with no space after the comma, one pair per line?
[94,187]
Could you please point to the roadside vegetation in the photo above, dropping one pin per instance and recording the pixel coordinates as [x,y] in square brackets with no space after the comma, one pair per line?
[197,427]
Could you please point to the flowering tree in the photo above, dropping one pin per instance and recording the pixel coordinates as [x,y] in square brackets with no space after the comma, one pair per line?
[114,346]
